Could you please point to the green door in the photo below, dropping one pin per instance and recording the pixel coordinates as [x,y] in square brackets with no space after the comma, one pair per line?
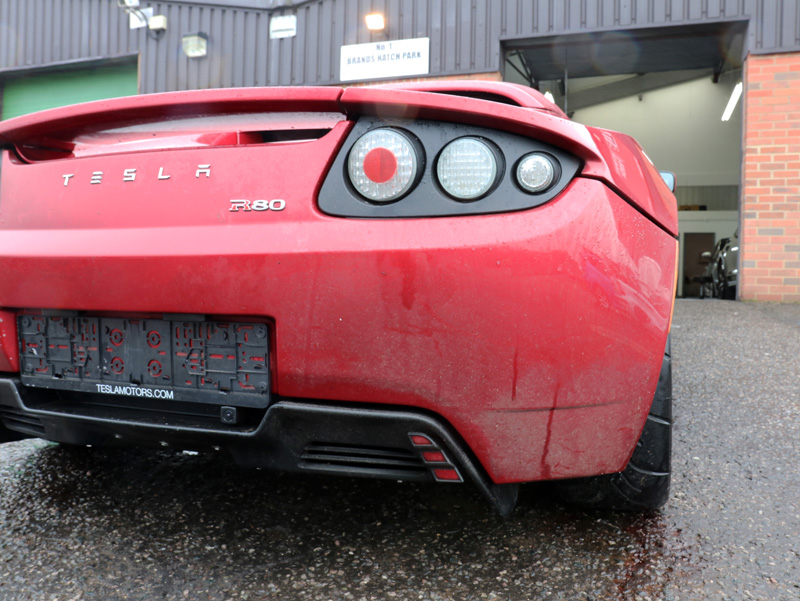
[39,91]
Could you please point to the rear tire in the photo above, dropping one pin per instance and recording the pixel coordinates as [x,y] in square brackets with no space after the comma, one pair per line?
[729,292]
[644,484]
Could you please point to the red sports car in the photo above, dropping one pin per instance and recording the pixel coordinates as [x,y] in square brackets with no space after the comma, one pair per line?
[447,282]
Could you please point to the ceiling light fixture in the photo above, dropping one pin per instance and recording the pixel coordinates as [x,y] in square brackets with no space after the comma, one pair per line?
[734,99]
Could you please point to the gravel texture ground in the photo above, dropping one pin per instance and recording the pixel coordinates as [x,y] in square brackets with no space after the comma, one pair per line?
[79,524]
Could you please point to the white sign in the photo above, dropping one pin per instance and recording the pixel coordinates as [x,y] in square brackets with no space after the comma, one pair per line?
[283,26]
[398,58]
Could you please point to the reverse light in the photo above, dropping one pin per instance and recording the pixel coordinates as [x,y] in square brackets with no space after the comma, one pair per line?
[536,172]
[467,168]
[383,165]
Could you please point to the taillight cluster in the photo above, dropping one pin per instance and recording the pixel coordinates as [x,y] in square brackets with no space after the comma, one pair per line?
[422,168]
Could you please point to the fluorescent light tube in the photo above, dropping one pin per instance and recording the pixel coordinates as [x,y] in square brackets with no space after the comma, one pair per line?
[737,91]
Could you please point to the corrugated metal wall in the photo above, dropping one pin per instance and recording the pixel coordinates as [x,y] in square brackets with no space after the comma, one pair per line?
[464,34]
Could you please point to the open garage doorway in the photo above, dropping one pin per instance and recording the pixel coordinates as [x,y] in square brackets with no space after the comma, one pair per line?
[667,87]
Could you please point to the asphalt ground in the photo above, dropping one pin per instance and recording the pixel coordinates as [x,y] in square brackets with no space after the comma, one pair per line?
[133,524]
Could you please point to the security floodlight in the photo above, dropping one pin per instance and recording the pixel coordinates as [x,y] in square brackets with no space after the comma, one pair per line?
[195,45]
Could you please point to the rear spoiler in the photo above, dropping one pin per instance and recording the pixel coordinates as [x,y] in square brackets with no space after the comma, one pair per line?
[495,91]
[96,115]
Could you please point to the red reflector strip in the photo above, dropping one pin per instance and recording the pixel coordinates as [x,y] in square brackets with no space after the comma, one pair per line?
[448,474]
[434,457]
[421,441]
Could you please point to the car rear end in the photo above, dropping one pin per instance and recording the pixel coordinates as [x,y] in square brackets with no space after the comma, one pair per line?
[206,270]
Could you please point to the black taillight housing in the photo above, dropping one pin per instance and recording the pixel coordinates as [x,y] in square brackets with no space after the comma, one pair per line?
[404,168]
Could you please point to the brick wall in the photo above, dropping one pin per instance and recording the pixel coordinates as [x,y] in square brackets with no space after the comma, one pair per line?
[770,236]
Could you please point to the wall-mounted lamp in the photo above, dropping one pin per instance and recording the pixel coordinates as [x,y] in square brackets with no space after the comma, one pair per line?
[375,22]
[139,17]
[195,45]
[737,92]
[157,23]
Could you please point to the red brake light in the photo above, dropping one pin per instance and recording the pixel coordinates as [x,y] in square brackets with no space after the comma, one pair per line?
[380,165]
[383,165]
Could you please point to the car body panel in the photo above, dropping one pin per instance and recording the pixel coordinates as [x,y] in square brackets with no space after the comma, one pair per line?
[537,335]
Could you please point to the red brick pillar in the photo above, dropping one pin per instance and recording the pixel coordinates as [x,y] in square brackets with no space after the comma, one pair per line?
[770,234]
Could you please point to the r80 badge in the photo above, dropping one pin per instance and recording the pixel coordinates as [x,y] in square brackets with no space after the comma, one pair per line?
[276,204]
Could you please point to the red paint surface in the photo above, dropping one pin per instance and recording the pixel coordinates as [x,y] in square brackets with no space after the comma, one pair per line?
[538,334]
[9,354]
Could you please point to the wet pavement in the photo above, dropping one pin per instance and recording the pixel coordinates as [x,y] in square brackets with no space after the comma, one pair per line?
[130,524]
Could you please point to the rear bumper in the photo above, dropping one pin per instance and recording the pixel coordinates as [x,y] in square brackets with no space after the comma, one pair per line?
[311,437]
[537,335]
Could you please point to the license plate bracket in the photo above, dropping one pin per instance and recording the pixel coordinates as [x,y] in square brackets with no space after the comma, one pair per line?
[218,362]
